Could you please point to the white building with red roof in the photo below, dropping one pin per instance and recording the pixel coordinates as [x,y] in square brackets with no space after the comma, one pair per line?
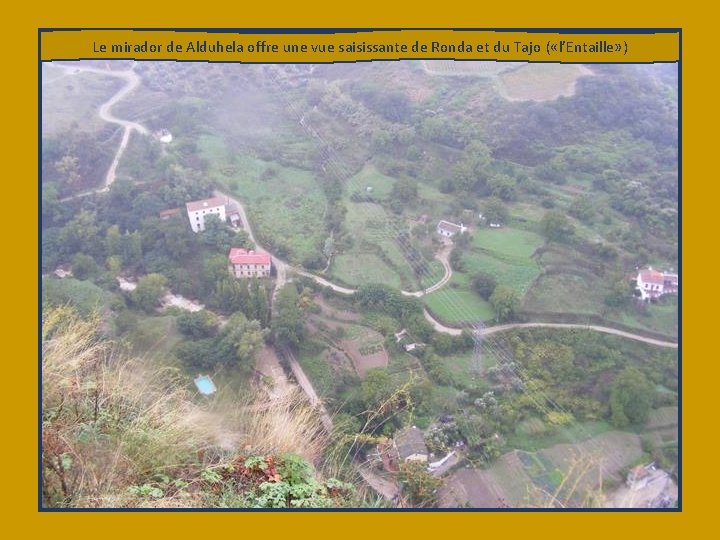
[198,210]
[653,284]
[246,264]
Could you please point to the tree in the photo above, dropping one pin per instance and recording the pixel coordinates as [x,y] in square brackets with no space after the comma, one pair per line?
[484,284]
[287,325]
[503,186]
[474,429]
[215,269]
[113,241]
[384,299]
[418,485]
[197,325]
[620,293]
[631,397]
[150,289]
[376,389]
[404,191]
[556,226]
[505,301]
[84,266]
[82,234]
[69,169]
[494,211]
[217,234]
[132,248]
[243,337]
[472,169]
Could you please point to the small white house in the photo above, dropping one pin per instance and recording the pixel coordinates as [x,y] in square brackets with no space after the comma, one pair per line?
[653,284]
[165,136]
[448,229]
[198,210]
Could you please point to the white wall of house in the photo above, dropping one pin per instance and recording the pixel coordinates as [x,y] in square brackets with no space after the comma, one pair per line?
[251,270]
[197,217]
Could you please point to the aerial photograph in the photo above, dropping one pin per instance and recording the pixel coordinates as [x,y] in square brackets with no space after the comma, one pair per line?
[416,284]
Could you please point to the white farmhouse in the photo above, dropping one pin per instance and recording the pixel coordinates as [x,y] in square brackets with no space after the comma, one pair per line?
[448,230]
[653,284]
[197,210]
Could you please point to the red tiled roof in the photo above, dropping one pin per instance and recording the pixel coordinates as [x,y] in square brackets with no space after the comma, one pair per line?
[242,256]
[213,202]
[639,472]
[652,276]
[169,212]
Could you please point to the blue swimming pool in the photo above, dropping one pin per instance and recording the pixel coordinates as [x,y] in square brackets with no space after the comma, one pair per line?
[205,385]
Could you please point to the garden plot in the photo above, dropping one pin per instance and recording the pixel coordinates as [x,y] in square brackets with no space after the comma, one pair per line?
[540,82]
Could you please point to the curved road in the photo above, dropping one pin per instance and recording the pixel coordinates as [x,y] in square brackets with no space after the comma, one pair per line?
[133,80]
[604,329]
[281,266]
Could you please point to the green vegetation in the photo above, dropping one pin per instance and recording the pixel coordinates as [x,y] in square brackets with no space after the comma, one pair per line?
[360,268]
[375,255]
[346,170]
[84,296]
[286,205]
[161,436]
[419,486]
[458,303]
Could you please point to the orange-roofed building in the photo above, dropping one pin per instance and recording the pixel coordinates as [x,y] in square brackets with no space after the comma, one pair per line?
[653,284]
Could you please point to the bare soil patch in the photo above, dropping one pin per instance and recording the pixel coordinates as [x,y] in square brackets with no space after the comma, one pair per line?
[540,82]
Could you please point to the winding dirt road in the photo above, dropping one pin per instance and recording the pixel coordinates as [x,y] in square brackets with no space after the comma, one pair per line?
[604,329]
[133,80]
[282,267]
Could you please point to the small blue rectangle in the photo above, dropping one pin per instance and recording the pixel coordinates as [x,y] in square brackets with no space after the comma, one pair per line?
[205,385]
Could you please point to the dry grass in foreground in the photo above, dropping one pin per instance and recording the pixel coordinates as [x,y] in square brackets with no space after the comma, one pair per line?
[118,433]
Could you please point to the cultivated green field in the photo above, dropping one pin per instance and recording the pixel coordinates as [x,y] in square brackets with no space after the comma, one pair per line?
[359,268]
[373,234]
[318,371]
[370,177]
[285,205]
[506,254]
[507,243]
[457,303]
[516,274]
[534,434]
[564,473]
[571,293]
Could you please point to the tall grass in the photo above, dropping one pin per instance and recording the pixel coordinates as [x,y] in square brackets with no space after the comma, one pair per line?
[116,427]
